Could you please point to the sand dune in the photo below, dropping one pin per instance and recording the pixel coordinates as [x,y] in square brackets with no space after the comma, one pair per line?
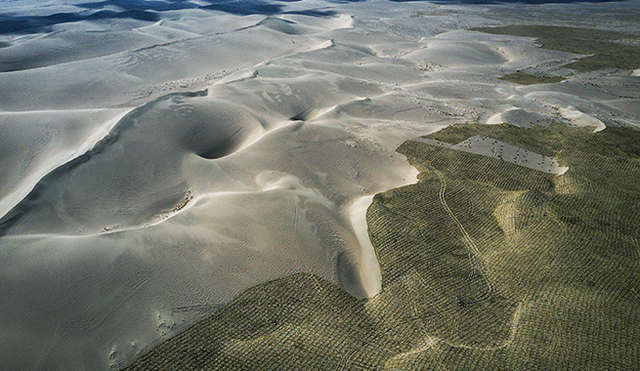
[152,170]
[506,152]
[33,143]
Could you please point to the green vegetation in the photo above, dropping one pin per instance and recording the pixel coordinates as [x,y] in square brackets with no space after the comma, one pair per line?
[602,47]
[486,266]
[526,79]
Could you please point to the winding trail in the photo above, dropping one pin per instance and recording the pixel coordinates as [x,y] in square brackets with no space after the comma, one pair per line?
[468,241]
[465,236]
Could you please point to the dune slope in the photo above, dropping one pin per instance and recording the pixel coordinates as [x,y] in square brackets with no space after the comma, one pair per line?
[485,265]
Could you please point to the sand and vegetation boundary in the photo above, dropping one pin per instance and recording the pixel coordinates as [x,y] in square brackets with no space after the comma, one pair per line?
[485,265]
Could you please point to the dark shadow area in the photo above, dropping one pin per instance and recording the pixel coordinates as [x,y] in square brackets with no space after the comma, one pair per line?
[222,148]
[32,200]
[243,7]
[11,24]
[508,1]
[532,1]
[159,6]
[142,10]
[147,10]
[313,13]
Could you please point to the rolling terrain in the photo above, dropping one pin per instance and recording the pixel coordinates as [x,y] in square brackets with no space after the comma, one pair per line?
[485,265]
[230,183]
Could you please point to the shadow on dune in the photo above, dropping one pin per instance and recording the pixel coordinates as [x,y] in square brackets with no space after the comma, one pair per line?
[508,1]
[144,10]
[26,24]
[33,199]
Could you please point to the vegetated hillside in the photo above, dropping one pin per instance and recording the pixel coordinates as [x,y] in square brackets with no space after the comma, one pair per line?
[486,265]
[527,79]
[605,49]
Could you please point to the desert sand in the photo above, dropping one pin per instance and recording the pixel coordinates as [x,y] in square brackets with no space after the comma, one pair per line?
[155,169]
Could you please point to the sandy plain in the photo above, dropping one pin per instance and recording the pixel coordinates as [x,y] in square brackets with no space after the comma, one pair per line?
[152,170]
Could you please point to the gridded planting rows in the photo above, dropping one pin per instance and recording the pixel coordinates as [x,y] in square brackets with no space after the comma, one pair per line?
[567,250]
[299,322]
[527,79]
[604,48]
[485,264]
